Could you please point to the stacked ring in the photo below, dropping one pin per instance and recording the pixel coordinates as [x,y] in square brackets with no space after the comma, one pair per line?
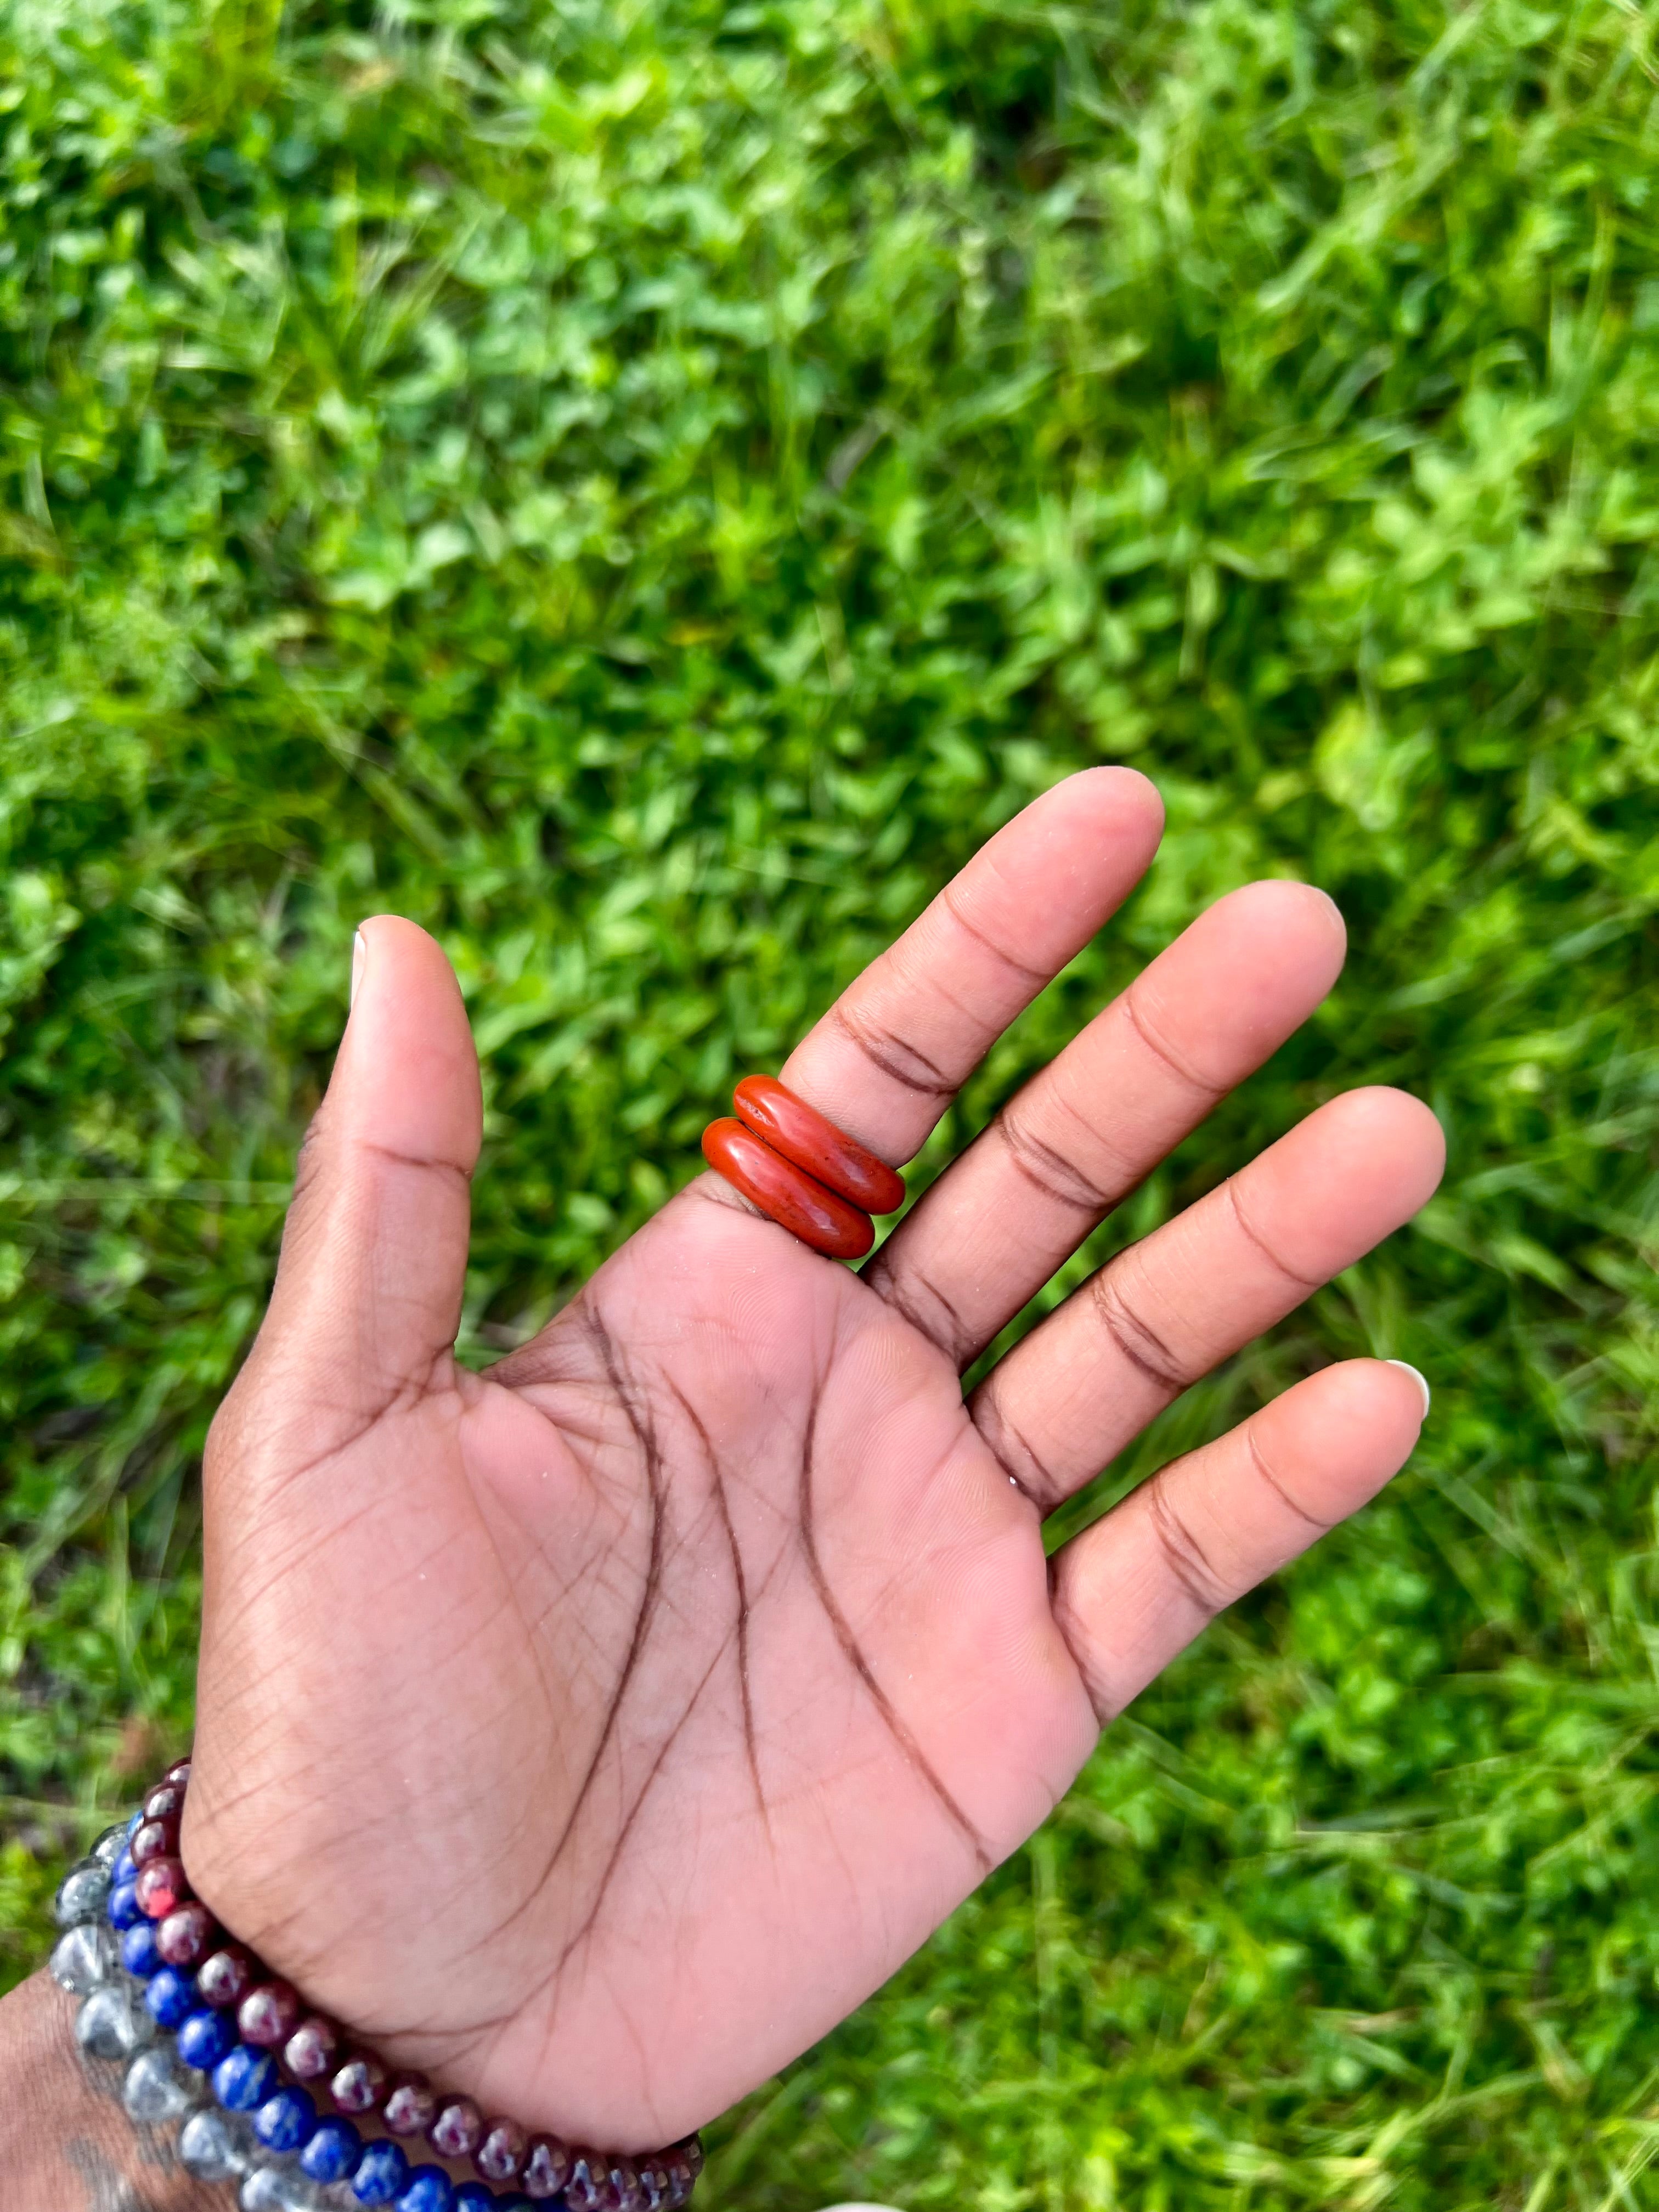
[802,1171]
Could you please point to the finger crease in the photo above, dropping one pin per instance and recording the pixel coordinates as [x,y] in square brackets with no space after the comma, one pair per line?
[954,1339]
[957,1003]
[1049,1171]
[713,1189]
[402,1159]
[1277,1486]
[1184,1554]
[1037,1483]
[893,1056]
[1161,1051]
[1305,1282]
[1075,1635]
[1040,977]
[1144,1349]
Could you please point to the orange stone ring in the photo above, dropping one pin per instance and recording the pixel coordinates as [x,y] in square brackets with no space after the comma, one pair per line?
[810,1177]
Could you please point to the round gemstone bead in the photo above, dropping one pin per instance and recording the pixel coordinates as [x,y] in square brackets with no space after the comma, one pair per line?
[627,2190]
[179,1772]
[113,2024]
[111,1844]
[584,2190]
[691,2151]
[428,2189]
[83,1893]
[154,2091]
[546,2168]
[161,1887]
[226,1976]
[165,1802]
[122,1869]
[285,2121]
[171,1996]
[277,2189]
[209,2146]
[259,2192]
[457,2129]
[361,2084]
[134,1824]
[332,2151]
[139,1953]
[381,2174]
[269,2014]
[205,2039]
[473,2196]
[678,2168]
[654,2184]
[121,1910]
[84,1958]
[244,2078]
[313,2050]
[501,2154]
[186,1937]
[157,1839]
[410,2105]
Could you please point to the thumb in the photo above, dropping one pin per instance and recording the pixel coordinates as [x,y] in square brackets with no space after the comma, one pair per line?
[369,1289]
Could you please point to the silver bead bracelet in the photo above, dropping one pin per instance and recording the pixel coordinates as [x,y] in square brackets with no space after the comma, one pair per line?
[158,2090]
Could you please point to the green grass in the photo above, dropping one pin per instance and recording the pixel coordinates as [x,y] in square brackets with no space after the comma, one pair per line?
[644,487]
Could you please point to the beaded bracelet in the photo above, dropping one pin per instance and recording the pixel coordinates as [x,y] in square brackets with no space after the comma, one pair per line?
[810,1177]
[196,2017]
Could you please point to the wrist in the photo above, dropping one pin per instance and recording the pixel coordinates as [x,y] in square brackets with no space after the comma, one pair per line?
[259,2088]
[65,2141]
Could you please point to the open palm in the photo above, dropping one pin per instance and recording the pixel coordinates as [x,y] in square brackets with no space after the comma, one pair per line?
[597,1731]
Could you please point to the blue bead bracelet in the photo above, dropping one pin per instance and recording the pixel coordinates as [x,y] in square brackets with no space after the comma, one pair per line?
[193,2029]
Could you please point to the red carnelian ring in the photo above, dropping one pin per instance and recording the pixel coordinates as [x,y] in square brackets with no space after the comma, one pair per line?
[804,1135]
[787,1193]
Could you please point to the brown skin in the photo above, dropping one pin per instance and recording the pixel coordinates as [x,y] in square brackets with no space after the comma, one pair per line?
[66,2143]
[597,1731]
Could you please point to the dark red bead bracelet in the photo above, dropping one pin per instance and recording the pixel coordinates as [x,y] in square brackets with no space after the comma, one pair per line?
[272,2014]
[809,1177]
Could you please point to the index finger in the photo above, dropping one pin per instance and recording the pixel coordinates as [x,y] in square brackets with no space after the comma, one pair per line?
[892,1051]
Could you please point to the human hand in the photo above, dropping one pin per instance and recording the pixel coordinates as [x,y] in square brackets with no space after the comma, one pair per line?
[596,1731]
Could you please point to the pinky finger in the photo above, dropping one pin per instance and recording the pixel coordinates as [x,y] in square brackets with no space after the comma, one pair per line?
[1135,1588]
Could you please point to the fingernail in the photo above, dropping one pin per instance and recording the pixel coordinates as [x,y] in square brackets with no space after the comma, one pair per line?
[359,954]
[1421,1382]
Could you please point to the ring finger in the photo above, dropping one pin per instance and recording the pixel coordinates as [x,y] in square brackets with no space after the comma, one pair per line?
[1070,1395]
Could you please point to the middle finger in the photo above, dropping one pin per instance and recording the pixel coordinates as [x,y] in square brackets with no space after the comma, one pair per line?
[1080,1136]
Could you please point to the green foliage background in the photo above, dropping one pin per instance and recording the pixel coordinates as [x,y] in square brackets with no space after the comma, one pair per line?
[644,486]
